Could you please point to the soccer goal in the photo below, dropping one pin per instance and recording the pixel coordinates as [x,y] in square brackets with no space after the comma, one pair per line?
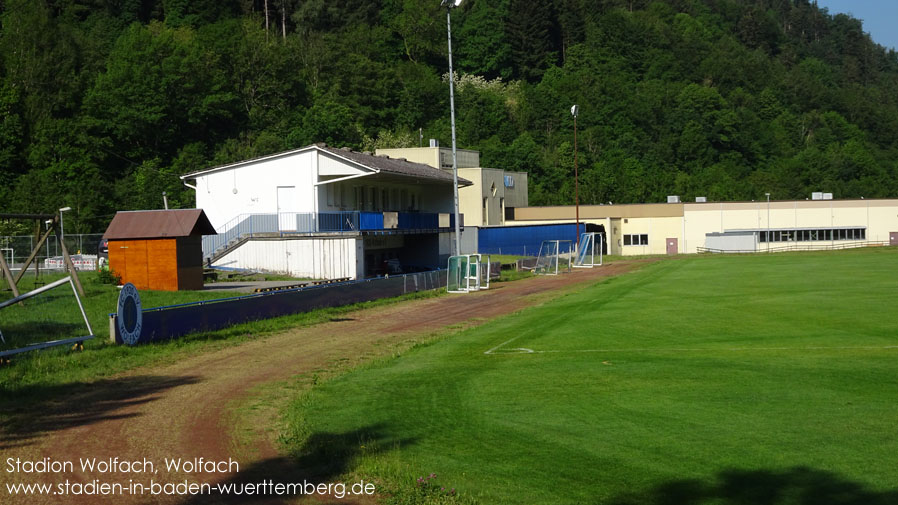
[555,256]
[588,249]
[39,314]
[468,273]
[463,272]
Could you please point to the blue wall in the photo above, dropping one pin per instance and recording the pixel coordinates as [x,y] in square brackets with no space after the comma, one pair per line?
[525,240]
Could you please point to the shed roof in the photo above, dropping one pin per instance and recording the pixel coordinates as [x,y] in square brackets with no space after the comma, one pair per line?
[137,224]
[378,163]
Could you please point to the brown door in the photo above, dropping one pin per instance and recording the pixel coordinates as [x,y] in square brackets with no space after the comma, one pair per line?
[672,246]
[893,238]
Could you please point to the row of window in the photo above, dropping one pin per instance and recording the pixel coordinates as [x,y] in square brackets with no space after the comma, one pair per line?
[636,239]
[814,235]
[371,199]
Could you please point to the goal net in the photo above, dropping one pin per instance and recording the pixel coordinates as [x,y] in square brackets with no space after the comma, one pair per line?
[555,256]
[466,274]
[46,316]
[589,250]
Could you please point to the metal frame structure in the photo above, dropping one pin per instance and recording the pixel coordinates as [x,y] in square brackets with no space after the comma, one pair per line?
[485,273]
[549,257]
[468,274]
[52,343]
[586,250]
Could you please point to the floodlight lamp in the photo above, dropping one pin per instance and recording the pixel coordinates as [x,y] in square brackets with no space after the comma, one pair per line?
[575,110]
[65,209]
[450,3]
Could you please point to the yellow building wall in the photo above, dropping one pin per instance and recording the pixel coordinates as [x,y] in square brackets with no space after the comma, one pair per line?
[659,229]
[879,217]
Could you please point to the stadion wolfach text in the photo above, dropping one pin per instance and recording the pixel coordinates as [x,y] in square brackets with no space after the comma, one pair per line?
[123,477]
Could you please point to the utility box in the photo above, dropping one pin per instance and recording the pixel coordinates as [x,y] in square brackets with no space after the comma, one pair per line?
[159,249]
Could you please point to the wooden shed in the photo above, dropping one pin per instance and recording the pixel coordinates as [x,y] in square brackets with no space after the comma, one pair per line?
[159,249]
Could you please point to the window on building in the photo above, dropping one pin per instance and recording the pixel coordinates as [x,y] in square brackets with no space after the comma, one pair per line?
[634,239]
[810,235]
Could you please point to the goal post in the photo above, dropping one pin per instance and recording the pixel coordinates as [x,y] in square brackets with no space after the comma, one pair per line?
[463,273]
[555,256]
[588,249]
[485,273]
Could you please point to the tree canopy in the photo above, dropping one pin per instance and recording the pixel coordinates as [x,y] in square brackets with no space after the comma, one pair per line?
[105,102]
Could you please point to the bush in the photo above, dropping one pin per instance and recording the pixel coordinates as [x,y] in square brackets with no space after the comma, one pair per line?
[108,276]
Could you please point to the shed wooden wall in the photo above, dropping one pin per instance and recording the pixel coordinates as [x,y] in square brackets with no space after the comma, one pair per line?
[159,264]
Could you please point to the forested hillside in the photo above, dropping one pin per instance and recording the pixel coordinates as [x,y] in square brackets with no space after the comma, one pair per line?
[105,102]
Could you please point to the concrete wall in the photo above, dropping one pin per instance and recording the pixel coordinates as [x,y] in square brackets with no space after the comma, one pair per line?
[315,258]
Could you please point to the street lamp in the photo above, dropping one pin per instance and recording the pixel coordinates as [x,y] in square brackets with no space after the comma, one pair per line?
[768,221]
[574,111]
[449,5]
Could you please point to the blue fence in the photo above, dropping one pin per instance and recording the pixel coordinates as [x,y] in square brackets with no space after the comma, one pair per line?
[525,240]
[166,323]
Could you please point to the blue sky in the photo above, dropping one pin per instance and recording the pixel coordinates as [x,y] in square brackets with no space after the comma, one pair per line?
[880,17]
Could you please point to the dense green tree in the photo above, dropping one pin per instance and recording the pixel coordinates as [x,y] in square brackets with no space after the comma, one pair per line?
[104,103]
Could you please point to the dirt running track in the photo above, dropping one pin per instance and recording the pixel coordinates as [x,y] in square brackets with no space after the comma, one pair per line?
[226,403]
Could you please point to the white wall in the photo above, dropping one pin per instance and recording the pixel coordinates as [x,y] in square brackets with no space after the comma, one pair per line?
[732,242]
[316,258]
[256,187]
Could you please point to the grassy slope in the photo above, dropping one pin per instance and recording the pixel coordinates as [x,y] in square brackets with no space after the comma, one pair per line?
[708,390]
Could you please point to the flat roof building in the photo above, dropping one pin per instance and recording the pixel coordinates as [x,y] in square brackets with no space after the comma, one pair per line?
[676,228]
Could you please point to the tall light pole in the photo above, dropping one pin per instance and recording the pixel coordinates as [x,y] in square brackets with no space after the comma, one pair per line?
[449,5]
[574,111]
[768,221]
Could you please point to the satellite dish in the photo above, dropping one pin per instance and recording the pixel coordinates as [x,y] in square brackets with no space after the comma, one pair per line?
[575,110]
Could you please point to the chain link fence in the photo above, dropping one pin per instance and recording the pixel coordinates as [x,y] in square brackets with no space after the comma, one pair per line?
[16,248]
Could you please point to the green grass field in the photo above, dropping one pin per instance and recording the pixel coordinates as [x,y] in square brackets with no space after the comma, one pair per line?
[699,380]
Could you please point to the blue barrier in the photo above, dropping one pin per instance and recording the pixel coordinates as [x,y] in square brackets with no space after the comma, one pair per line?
[525,240]
[371,220]
[166,323]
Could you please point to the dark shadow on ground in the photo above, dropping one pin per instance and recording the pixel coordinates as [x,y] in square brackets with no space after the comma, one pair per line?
[796,486]
[29,415]
[324,458]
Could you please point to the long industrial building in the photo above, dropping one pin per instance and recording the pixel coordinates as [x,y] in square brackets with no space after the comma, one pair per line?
[677,228]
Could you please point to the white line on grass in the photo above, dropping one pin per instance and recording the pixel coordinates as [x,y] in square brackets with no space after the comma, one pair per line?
[503,344]
[521,350]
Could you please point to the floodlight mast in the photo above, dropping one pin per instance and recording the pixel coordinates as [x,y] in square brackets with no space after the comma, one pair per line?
[574,111]
[449,5]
